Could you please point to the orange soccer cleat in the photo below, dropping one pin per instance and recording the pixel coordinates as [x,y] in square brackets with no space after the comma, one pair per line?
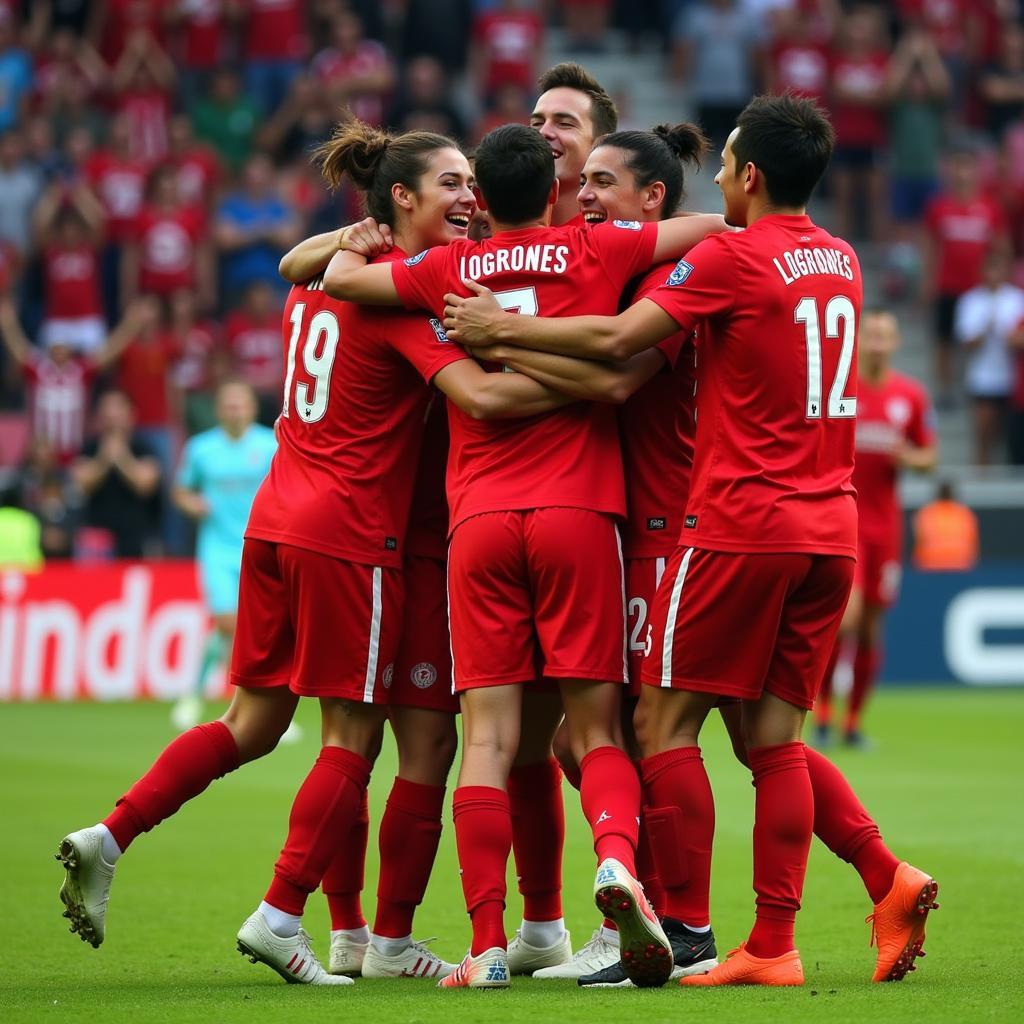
[743,968]
[897,925]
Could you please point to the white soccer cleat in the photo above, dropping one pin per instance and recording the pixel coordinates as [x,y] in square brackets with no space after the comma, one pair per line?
[488,970]
[643,945]
[187,713]
[415,961]
[526,959]
[346,956]
[597,954]
[293,957]
[86,886]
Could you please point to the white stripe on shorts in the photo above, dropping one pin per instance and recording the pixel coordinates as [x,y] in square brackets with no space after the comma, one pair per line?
[374,650]
[670,621]
[625,613]
[659,571]
[448,605]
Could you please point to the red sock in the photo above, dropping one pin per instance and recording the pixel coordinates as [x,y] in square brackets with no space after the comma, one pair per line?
[538,835]
[185,768]
[409,833]
[846,828]
[865,669]
[783,824]
[823,702]
[680,822]
[647,871]
[327,804]
[483,838]
[610,795]
[343,879]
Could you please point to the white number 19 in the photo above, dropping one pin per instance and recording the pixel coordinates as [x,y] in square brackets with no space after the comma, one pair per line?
[839,307]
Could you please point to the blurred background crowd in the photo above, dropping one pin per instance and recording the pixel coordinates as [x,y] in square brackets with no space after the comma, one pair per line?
[154,166]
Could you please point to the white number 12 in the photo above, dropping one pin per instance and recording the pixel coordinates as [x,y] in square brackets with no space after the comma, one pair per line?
[838,308]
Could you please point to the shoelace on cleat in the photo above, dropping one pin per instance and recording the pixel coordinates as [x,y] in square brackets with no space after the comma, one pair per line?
[870,919]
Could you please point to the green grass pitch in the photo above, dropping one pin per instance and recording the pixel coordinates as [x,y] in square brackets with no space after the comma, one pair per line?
[944,785]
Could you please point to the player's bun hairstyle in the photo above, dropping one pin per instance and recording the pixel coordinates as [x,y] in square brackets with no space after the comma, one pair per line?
[376,160]
[790,140]
[515,170]
[659,155]
[603,113]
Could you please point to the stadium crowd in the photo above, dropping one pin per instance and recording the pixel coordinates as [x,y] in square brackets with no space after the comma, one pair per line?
[154,167]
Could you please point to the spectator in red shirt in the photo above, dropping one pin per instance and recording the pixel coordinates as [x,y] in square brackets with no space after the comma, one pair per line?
[962,224]
[112,23]
[68,63]
[254,340]
[857,90]
[59,380]
[274,44]
[68,225]
[170,250]
[197,163]
[511,106]
[355,72]
[200,38]
[507,42]
[143,81]
[203,361]
[798,58]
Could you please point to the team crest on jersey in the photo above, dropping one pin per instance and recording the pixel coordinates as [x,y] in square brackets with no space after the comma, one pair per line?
[413,260]
[438,328]
[628,225]
[898,410]
[389,675]
[423,675]
[681,272]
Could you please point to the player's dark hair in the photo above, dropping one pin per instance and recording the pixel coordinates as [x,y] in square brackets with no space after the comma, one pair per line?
[515,170]
[603,114]
[376,160]
[790,140]
[659,155]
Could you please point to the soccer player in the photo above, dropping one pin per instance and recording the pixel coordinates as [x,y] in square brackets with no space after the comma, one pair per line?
[532,527]
[894,431]
[323,552]
[221,470]
[768,539]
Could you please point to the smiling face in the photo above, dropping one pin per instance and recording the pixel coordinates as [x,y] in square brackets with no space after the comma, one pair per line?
[733,183]
[440,209]
[564,117]
[608,190]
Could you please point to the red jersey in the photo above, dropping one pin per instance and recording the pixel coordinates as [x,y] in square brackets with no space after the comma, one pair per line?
[370,57]
[428,519]
[123,17]
[121,186]
[199,172]
[351,426]
[255,345]
[801,68]
[143,371]
[776,401]
[859,124]
[509,42]
[148,111]
[71,282]
[274,29]
[202,33]
[58,400]
[167,248]
[888,414]
[195,347]
[962,231]
[569,457]
[657,427]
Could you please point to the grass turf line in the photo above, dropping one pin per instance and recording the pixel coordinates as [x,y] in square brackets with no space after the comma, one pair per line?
[943,785]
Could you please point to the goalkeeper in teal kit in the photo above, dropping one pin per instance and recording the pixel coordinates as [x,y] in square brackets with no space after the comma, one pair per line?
[221,470]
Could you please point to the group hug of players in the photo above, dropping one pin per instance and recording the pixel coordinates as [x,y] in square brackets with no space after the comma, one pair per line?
[651,517]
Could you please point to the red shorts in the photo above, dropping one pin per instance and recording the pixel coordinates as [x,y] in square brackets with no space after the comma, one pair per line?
[643,575]
[743,624]
[879,571]
[536,592]
[423,665]
[320,625]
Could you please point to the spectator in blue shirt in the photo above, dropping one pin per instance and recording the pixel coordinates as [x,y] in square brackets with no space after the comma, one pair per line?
[255,227]
[15,73]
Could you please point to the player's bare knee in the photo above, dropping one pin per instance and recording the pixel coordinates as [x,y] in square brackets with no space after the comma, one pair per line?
[352,725]
[562,750]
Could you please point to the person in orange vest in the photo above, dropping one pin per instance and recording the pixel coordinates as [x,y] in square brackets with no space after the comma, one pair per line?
[945,534]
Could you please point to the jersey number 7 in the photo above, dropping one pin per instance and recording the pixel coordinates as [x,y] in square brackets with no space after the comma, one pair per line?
[318,352]
[838,310]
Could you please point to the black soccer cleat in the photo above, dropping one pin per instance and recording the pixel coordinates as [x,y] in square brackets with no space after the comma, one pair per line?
[692,953]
